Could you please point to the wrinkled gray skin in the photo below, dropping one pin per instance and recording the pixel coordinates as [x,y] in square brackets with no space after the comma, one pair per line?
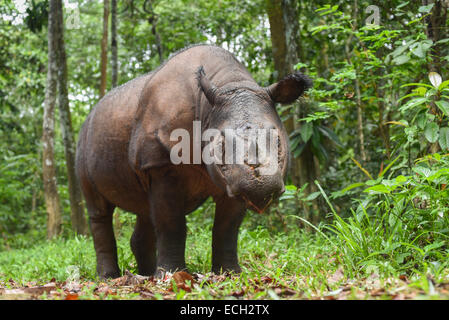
[123,158]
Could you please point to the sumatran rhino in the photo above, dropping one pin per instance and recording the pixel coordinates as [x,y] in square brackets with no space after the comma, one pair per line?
[125,147]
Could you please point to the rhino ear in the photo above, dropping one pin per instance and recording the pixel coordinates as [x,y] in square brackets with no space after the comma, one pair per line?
[290,88]
[210,91]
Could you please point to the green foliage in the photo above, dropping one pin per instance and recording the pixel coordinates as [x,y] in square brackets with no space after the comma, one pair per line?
[388,213]
[402,224]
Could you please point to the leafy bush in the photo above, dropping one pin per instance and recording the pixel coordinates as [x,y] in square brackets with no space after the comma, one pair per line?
[402,223]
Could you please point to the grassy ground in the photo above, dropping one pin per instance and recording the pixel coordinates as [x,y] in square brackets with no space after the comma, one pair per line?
[287,264]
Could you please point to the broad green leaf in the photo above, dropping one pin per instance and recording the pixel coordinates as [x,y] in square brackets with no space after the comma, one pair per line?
[414,84]
[413,103]
[380,188]
[442,41]
[401,59]
[426,9]
[438,174]
[421,91]
[312,196]
[423,171]
[352,186]
[290,191]
[415,93]
[330,134]
[443,85]
[392,219]
[434,246]
[421,48]
[401,179]
[306,131]
[411,133]
[421,121]
[443,139]
[286,197]
[431,132]
[443,106]
[399,50]
[403,4]
[373,182]
[297,152]
[294,142]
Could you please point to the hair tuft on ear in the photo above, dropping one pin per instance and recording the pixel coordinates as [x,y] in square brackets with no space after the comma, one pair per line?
[290,88]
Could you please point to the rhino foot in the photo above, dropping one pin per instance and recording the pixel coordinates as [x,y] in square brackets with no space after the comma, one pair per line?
[227,269]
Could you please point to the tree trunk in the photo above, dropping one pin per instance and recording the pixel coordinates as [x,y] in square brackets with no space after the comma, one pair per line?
[358,96]
[283,65]
[104,49]
[78,219]
[435,31]
[380,96]
[48,166]
[361,134]
[152,20]
[284,27]
[114,59]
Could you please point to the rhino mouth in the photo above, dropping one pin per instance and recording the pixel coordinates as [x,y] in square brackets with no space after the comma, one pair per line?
[248,202]
[255,208]
[254,201]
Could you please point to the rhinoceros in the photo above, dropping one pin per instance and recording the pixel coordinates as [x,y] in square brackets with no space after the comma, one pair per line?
[124,158]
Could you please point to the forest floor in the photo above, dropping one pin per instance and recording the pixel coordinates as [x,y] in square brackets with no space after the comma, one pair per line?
[276,265]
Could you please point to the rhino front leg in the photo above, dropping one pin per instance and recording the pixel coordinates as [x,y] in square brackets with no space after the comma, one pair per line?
[168,218]
[229,215]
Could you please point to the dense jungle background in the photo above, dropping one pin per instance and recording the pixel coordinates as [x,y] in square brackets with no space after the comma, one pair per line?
[366,211]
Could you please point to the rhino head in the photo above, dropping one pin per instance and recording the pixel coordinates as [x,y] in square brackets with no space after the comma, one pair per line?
[251,146]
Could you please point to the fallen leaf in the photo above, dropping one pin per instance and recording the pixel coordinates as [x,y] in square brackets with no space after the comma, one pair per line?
[180,279]
[238,294]
[71,296]
[377,292]
[129,279]
[289,292]
[403,277]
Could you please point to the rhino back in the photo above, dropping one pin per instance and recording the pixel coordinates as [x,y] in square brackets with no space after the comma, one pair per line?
[169,99]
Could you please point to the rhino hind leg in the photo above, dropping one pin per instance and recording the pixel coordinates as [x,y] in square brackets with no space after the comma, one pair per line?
[167,198]
[100,220]
[143,245]
[229,214]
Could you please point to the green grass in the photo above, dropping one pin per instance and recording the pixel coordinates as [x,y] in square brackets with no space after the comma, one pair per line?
[287,264]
